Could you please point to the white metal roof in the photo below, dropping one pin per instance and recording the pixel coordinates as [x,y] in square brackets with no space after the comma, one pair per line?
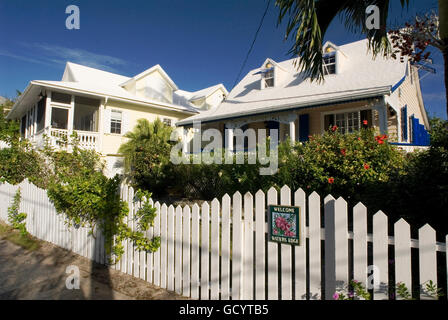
[361,77]
[90,81]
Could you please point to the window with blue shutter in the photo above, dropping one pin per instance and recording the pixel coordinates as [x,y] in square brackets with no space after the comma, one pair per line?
[404,123]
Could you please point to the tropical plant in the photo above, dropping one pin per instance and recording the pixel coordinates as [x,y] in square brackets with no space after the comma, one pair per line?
[308,21]
[147,154]
[86,197]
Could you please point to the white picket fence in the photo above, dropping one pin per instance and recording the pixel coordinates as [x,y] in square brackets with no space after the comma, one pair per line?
[220,250]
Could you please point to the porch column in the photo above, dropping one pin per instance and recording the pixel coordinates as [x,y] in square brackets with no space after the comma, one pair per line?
[35,120]
[292,130]
[100,125]
[71,113]
[48,111]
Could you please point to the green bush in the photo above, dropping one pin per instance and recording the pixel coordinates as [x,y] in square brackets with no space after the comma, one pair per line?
[147,155]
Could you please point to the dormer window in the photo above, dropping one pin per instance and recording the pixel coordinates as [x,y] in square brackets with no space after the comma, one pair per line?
[330,63]
[268,76]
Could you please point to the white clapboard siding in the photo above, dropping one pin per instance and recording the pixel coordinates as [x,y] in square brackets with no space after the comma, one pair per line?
[427,259]
[186,224]
[380,256]
[247,292]
[330,247]
[178,251]
[402,251]
[205,250]
[286,253]
[195,254]
[273,272]
[225,247]
[156,260]
[214,251]
[163,245]
[314,246]
[260,245]
[237,247]
[300,251]
[170,245]
[360,244]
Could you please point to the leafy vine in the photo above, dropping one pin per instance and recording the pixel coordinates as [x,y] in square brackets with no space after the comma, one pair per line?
[14,217]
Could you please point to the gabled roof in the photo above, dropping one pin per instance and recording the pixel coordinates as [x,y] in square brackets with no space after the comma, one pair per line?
[204,93]
[331,44]
[79,79]
[362,77]
[158,68]
[273,63]
[78,73]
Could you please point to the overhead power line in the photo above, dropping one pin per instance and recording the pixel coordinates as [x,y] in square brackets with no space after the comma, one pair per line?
[253,42]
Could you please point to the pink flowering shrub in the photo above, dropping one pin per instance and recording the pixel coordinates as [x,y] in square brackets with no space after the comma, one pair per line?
[284,226]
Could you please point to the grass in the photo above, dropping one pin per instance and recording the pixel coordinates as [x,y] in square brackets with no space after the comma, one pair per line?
[27,242]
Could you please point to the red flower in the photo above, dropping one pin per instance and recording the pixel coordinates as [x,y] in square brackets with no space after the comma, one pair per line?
[343,152]
[334,128]
[366,166]
[330,180]
[380,139]
[364,122]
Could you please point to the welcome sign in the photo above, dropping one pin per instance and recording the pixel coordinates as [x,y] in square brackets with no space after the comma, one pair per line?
[283,224]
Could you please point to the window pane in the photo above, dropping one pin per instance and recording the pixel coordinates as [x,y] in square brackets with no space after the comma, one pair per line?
[115,126]
[269,83]
[85,117]
[61,97]
[353,121]
[340,122]
[59,118]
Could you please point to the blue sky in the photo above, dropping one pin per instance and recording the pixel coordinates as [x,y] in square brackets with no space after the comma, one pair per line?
[199,43]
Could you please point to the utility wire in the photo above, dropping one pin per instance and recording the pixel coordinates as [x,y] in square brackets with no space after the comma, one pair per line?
[252,45]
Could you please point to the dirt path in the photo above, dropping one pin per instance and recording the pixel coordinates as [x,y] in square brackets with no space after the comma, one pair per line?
[41,274]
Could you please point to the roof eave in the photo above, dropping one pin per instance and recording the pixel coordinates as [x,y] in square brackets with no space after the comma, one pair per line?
[98,94]
[374,93]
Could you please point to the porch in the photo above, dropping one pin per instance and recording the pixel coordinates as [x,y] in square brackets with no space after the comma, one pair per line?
[298,124]
[57,116]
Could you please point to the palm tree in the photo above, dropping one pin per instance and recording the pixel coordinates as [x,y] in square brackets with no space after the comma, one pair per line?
[308,21]
[146,137]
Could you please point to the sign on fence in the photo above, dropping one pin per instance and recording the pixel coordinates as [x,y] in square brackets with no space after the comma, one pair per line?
[284,224]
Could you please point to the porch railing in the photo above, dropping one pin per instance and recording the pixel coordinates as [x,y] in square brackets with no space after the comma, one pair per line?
[87,140]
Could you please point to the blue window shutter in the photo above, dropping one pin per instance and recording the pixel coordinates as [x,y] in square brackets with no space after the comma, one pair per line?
[415,130]
[404,123]
[304,127]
